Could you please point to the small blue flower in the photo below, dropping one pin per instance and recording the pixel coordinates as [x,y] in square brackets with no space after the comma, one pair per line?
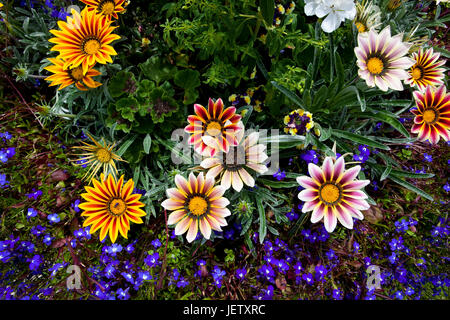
[241,273]
[31,213]
[156,243]
[152,259]
[75,205]
[427,157]
[123,294]
[182,283]
[279,175]
[54,218]
[308,277]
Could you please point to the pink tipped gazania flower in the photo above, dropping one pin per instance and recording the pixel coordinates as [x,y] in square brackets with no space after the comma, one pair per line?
[333,194]
[382,59]
[426,71]
[213,129]
[197,205]
[432,114]
[234,165]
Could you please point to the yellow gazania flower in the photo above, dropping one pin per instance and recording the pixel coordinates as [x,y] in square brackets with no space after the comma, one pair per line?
[234,165]
[96,156]
[1,4]
[69,76]
[108,8]
[84,40]
[110,206]
[333,194]
[197,205]
[426,70]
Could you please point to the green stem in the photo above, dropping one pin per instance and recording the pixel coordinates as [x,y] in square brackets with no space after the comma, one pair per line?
[332,63]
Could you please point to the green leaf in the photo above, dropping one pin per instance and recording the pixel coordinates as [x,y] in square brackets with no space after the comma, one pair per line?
[147,143]
[267,10]
[125,146]
[359,139]
[278,184]
[291,95]
[262,220]
[136,175]
[386,172]
[387,118]
[187,79]
[411,187]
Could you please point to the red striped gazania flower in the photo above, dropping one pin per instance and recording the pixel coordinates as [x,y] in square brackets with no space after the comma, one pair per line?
[213,129]
[333,194]
[432,112]
[426,71]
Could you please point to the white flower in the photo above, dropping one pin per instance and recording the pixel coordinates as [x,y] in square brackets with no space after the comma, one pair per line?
[336,11]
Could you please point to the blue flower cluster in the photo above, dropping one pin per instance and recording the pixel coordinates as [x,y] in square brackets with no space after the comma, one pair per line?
[363,154]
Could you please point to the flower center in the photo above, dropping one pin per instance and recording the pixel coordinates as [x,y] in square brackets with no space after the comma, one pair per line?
[103,155]
[235,158]
[197,206]
[117,207]
[361,27]
[330,193]
[375,65]
[416,73]
[76,73]
[214,128]
[91,46]
[429,116]
[107,7]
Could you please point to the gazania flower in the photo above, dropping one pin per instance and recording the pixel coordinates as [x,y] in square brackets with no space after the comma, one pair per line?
[233,169]
[367,16]
[213,129]
[381,59]
[432,114]
[84,40]
[110,206]
[426,71]
[108,8]
[69,76]
[333,194]
[1,4]
[197,205]
[96,156]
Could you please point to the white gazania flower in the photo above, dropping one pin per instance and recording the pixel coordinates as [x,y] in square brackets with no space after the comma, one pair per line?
[368,16]
[333,194]
[234,165]
[336,11]
[197,205]
[382,59]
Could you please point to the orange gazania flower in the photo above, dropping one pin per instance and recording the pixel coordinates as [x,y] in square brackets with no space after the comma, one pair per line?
[333,194]
[108,8]
[432,114]
[426,70]
[197,205]
[110,206]
[69,76]
[213,129]
[84,40]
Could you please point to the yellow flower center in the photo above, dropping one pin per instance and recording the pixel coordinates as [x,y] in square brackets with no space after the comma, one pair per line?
[416,73]
[214,128]
[360,26]
[103,155]
[107,7]
[330,193]
[375,65]
[197,206]
[117,207]
[429,116]
[76,73]
[91,46]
